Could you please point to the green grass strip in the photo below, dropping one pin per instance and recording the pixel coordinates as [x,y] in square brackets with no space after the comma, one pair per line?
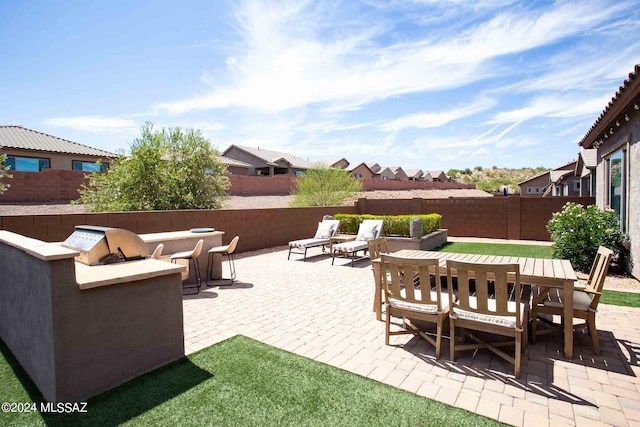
[242,382]
[626,299]
[498,249]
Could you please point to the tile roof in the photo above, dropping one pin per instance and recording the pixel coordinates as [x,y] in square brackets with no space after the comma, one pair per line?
[273,157]
[27,139]
[414,173]
[233,162]
[628,93]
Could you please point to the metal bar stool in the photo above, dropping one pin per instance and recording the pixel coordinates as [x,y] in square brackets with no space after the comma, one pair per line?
[192,256]
[223,250]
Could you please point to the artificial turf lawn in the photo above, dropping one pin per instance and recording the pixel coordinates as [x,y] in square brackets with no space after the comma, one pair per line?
[242,382]
[626,299]
[498,249]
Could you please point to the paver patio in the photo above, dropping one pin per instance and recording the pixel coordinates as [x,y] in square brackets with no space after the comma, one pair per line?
[324,312]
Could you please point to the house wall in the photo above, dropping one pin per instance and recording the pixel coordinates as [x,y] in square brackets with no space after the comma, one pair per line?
[235,170]
[243,156]
[400,175]
[539,183]
[56,160]
[628,133]
[388,173]
[363,170]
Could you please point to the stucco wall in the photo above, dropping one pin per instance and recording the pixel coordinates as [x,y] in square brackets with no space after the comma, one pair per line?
[56,160]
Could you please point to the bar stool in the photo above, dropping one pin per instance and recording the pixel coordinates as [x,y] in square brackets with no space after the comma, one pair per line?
[157,253]
[192,256]
[223,250]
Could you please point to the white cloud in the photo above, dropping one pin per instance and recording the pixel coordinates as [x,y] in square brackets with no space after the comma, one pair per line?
[98,124]
[433,120]
[299,54]
[561,106]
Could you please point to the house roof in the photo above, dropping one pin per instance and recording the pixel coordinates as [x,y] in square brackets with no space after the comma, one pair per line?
[272,157]
[628,93]
[375,168]
[588,157]
[534,177]
[414,173]
[351,168]
[233,162]
[332,163]
[26,139]
[558,175]
[435,174]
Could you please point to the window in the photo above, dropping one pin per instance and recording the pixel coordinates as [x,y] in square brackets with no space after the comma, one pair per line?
[616,193]
[576,186]
[357,175]
[385,177]
[528,189]
[298,172]
[537,190]
[27,164]
[78,165]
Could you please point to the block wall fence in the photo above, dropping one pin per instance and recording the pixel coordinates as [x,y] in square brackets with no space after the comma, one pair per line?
[62,185]
[498,217]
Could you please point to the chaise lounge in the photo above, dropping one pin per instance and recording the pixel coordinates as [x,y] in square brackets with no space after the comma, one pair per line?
[326,230]
[368,229]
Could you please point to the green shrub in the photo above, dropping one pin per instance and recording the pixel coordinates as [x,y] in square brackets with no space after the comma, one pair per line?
[324,186]
[4,173]
[394,225]
[577,232]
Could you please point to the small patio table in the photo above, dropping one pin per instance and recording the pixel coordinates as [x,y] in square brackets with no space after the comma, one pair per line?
[551,273]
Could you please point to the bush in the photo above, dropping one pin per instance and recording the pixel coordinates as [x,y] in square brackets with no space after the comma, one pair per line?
[168,169]
[394,225]
[4,173]
[577,232]
[324,186]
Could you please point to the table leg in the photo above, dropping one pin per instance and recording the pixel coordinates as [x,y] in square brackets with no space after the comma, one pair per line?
[568,319]
[377,298]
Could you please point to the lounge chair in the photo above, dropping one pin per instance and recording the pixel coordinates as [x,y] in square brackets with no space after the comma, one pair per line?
[326,230]
[368,229]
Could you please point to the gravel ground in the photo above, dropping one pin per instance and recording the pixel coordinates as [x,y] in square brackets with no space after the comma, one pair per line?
[613,281]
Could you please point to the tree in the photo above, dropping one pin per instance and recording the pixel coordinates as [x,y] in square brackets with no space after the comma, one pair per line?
[168,169]
[4,173]
[324,186]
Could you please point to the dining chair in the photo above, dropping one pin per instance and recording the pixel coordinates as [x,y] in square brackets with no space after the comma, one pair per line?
[418,302]
[480,313]
[585,301]
[192,257]
[227,250]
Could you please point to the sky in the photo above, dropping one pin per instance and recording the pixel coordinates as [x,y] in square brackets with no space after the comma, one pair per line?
[428,84]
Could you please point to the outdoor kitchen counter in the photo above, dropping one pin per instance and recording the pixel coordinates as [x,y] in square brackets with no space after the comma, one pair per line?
[185,240]
[89,277]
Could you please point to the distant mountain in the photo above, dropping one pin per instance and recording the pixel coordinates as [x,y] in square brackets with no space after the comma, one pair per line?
[494,179]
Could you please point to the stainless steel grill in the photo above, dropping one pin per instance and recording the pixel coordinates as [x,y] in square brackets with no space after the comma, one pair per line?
[105,245]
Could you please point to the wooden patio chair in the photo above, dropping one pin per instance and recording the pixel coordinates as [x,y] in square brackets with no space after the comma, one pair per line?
[409,302]
[479,312]
[585,301]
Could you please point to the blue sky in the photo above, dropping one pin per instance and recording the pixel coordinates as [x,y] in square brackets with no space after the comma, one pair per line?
[430,84]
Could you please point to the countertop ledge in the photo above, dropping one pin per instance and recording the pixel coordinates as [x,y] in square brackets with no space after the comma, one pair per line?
[37,248]
[89,277]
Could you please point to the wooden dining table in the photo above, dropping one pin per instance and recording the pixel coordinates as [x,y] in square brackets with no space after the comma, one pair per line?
[550,273]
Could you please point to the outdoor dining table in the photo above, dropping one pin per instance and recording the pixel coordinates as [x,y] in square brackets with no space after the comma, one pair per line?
[550,273]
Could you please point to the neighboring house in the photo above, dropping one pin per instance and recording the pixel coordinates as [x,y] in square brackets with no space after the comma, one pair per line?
[360,171]
[615,135]
[235,167]
[414,174]
[586,170]
[32,151]
[535,186]
[375,168]
[267,162]
[334,163]
[563,181]
[436,176]
[399,173]
[385,173]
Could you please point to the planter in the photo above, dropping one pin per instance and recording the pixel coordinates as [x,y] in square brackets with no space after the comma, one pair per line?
[425,243]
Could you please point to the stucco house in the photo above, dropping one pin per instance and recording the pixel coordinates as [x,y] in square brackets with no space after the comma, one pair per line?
[267,162]
[563,181]
[360,171]
[414,174]
[586,170]
[435,176]
[385,173]
[535,186]
[615,135]
[399,173]
[235,167]
[28,150]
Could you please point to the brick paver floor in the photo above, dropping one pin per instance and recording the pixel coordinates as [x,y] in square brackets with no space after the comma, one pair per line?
[324,312]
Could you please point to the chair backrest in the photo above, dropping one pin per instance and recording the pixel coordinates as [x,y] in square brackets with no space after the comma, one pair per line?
[598,272]
[232,245]
[501,274]
[377,247]
[197,249]
[369,229]
[418,271]
[335,224]
[157,253]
